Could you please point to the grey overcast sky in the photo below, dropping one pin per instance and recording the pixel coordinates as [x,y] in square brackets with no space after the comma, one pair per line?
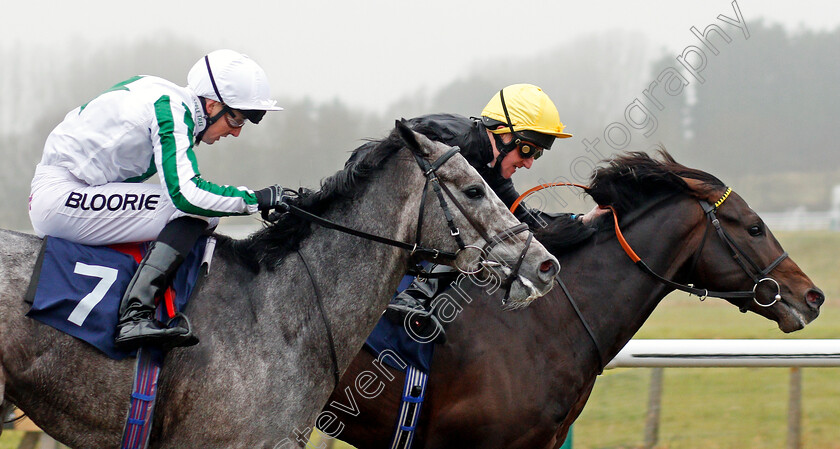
[370,53]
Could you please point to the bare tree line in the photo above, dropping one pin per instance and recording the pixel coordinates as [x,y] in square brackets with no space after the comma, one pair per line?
[763,117]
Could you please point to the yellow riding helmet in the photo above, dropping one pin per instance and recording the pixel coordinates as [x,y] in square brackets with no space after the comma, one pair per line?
[528,109]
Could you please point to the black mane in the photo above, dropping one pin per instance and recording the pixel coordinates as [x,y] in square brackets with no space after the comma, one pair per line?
[634,178]
[626,182]
[268,246]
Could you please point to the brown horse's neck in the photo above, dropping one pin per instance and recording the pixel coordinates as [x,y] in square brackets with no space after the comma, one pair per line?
[613,295]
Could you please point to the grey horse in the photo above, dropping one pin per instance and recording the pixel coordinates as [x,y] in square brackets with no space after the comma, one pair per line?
[260,375]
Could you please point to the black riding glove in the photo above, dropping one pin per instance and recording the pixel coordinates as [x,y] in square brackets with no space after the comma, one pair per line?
[270,198]
[536,218]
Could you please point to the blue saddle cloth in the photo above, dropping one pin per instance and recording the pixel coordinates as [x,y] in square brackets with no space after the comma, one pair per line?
[390,335]
[79,289]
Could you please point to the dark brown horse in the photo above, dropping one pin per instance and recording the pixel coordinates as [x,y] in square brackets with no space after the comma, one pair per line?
[519,380]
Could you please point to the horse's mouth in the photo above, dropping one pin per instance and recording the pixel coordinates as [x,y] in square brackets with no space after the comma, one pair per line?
[533,293]
[794,319]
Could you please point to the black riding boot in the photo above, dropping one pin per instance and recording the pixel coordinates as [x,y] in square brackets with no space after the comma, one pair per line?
[415,302]
[137,326]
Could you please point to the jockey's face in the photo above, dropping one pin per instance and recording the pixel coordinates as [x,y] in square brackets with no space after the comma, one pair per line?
[224,126]
[513,161]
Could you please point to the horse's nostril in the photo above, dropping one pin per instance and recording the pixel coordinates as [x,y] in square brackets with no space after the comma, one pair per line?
[549,267]
[815,297]
[546,266]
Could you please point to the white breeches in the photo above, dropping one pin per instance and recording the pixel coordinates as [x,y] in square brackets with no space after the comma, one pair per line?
[63,206]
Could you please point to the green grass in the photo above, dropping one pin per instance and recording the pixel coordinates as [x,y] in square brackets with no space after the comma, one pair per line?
[710,408]
[725,407]
[10,439]
[716,408]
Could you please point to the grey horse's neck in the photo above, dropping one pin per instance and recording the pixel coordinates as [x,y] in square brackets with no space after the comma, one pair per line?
[338,265]
[279,322]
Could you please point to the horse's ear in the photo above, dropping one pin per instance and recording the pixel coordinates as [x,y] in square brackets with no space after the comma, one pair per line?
[409,137]
[699,188]
[693,184]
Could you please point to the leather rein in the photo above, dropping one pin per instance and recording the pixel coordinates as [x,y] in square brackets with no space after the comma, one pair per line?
[753,271]
[757,275]
[416,250]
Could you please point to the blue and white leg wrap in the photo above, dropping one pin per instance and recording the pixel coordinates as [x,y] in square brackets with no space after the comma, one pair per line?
[412,399]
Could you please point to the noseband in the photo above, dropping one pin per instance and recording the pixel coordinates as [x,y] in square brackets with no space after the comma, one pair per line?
[757,275]
[429,171]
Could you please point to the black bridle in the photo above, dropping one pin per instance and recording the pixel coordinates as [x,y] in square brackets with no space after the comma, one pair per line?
[429,171]
[756,274]
[416,250]
[752,270]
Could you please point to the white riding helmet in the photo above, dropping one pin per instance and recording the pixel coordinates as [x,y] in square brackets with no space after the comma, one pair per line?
[233,79]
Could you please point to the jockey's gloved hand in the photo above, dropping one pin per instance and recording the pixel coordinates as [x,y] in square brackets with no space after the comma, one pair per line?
[271,198]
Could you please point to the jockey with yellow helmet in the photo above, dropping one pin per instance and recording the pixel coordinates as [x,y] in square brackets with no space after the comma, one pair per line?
[518,124]
[516,127]
[521,117]
[88,187]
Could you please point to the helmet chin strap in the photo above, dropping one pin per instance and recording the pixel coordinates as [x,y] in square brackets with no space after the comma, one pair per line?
[225,109]
[210,120]
[503,148]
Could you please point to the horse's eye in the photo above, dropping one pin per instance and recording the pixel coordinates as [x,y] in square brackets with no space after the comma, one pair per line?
[756,230]
[474,192]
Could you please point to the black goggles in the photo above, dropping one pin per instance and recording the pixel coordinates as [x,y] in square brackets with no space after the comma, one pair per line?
[251,115]
[529,150]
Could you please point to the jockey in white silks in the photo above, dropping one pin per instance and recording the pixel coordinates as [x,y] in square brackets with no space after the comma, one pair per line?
[88,187]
